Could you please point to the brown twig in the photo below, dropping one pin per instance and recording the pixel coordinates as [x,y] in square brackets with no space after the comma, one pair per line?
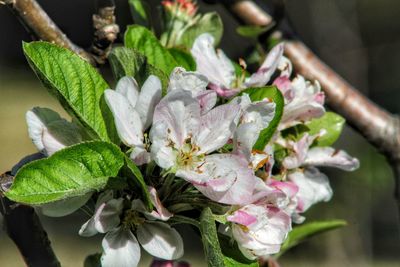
[378,126]
[37,21]
[106,30]
[23,226]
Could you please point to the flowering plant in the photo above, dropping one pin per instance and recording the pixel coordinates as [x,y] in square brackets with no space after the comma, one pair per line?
[185,137]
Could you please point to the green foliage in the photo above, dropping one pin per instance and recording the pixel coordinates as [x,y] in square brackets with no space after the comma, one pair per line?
[232,255]
[139,11]
[273,94]
[73,171]
[332,123]
[209,23]
[209,237]
[252,31]
[129,62]
[183,59]
[76,84]
[139,181]
[144,41]
[305,231]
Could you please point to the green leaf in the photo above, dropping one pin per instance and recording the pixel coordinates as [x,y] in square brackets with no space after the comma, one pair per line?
[144,41]
[272,93]
[252,31]
[139,181]
[232,255]
[332,123]
[183,59]
[209,237]
[73,171]
[305,231]
[76,84]
[229,262]
[209,23]
[129,62]
[139,10]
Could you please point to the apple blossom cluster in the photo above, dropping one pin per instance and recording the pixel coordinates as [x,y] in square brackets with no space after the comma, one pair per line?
[197,139]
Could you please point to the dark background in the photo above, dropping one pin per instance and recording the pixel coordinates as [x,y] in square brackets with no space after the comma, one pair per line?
[360,39]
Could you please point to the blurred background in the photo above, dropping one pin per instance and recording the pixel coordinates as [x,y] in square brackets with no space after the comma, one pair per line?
[360,39]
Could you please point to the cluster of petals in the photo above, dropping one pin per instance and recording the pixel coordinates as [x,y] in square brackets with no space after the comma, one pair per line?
[120,246]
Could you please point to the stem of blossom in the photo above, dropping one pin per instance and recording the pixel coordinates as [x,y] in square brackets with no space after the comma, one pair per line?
[378,126]
[106,30]
[37,21]
[23,226]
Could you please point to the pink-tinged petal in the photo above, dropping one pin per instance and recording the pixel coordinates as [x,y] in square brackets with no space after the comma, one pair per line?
[162,263]
[127,120]
[328,156]
[223,91]
[180,79]
[299,152]
[207,100]
[214,65]
[245,137]
[289,188]
[217,127]
[140,156]
[306,104]
[161,212]
[160,240]
[319,98]
[176,118]
[264,73]
[242,217]
[285,86]
[128,87]
[313,186]
[149,97]
[264,236]
[237,177]
[121,249]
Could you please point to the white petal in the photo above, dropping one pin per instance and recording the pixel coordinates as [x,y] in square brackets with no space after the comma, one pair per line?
[207,100]
[140,156]
[49,132]
[128,87]
[176,118]
[64,207]
[313,187]
[120,249]
[50,144]
[160,240]
[217,126]
[36,120]
[225,178]
[149,97]
[127,120]
[187,80]
[108,217]
[161,212]
[264,73]
[328,156]
[215,66]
